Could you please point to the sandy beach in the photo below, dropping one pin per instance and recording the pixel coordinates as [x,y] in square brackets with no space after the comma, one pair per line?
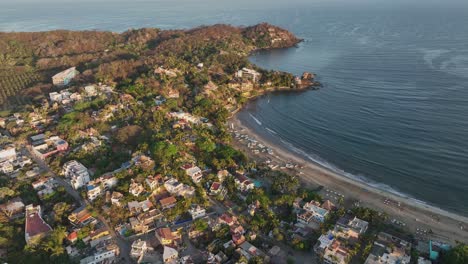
[423,220]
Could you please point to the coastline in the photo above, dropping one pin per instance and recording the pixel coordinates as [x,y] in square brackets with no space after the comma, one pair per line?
[415,214]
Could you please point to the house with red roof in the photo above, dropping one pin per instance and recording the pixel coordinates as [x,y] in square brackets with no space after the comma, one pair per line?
[35,227]
[166,236]
[227,219]
[168,202]
[81,217]
[193,172]
[218,189]
[243,183]
[72,237]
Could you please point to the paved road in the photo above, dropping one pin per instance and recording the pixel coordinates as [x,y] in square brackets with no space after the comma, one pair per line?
[124,246]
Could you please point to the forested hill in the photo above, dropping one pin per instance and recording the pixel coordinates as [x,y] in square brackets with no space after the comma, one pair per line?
[29,59]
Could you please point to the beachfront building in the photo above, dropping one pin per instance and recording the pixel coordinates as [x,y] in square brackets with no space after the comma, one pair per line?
[324,242]
[243,183]
[318,213]
[350,228]
[65,77]
[336,253]
[35,227]
[77,173]
[389,249]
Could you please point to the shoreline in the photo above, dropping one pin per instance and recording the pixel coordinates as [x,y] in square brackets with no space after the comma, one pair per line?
[416,215]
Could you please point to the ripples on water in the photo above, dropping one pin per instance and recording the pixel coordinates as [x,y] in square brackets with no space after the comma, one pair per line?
[394,107]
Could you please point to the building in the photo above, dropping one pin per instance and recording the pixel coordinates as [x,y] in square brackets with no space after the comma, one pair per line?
[45,147]
[81,217]
[328,205]
[13,208]
[227,219]
[65,77]
[174,187]
[154,182]
[222,175]
[246,73]
[139,247]
[249,251]
[136,188]
[44,186]
[389,249]
[100,185]
[318,213]
[168,202]
[77,173]
[35,227]
[105,252]
[193,172]
[350,228]
[93,191]
[305,217]
[197,212]
[243,183]
[139,207]
[170,255]
[336,254]
[166,236]
[324,242]
[116,197]
[7,153]
[142,222]
[218,189]
[7,167]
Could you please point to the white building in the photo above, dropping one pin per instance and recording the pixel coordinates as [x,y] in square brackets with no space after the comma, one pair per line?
[174,187]
[7,153]
[139,247]
[170,255]
[100,185]
[197,212]
[249,74]
[77,173]
[193,172]
[99,257]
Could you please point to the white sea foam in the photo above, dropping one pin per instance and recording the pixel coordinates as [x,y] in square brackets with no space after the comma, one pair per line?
[256,120]
[271,131]
[360,178]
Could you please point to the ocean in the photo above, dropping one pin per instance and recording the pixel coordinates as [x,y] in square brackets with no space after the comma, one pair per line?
[393,110]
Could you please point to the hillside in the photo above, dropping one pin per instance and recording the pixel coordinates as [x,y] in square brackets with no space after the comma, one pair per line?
[28,60]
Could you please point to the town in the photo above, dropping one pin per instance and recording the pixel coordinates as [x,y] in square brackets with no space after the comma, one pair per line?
[100,172]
